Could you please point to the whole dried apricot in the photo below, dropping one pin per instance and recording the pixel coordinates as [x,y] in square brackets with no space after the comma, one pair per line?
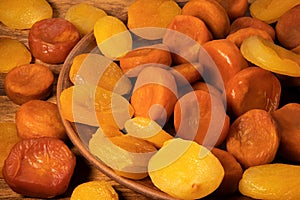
[234,8]
[39,167]
[185,169]
[22,14]
[22,83]
[11,48]
[84,16]
[95,69]
[93,105]
[271,181]
[94,190]
[51,40]
[112,37]
[253,138]
[37,118]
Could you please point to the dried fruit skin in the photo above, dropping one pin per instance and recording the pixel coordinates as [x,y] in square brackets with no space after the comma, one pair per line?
[22,83]
[51,40]
[271,181]
[185,169]
[37,118]
[84,16]
[253,138]
[143,14]
[234,8]
[94,190]
[40,167]
[252,88]
[22,14]
[11,48]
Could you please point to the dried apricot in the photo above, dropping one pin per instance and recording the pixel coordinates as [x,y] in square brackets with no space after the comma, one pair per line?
[287,119]
[84,16]
[37,118]
[187,73]
[93,105]
[22,83]
[154,94]
[252,88]
[147,129]
[128,156]
[271,181]
[95,69]
[270,56]
[11,48]
[39,167]
[8,138]
[234,8]
[112,37]
[156,15]
[201,117]
[94,190]
[253,138]
[212,13]
[51,40]
[22,14]
[269,10]
[185,169]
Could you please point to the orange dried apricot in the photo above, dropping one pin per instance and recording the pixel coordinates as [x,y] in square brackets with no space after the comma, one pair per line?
[95,69]
[93,105]
[22,14]
[185,169]
[84,16]
[11,48]
[96,189]
[39,167]
[144,14]
[234,8]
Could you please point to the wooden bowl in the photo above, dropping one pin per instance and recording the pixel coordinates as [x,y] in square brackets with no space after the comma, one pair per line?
[145,186]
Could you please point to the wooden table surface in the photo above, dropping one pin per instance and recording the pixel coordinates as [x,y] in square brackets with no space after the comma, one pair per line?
[84,171]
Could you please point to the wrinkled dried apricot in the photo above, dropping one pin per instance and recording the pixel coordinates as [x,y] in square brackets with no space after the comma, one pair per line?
[128,156]
[156,15]
[154,94]
[147,129]
[270,56]
[271,181]
[37,118]
[22,83]
[11,48]
[185,169]
[8,137]
[95,69]
[269,10]
[22,14]
[253,138]
[94,190]
[84,16]
[39,167]
[112,37]
[93,105]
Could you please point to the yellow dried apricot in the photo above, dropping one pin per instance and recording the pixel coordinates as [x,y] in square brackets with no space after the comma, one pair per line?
[112,37]
[271,181]
[22,14]
[270,56]
[185,169]
[94,106]
[84,16]
[144,14]
[12,48]
[270,10]
[128,156]
[147,129]
[94,190]
[95,69]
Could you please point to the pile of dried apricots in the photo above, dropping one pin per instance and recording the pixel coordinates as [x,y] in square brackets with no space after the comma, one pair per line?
[198,109]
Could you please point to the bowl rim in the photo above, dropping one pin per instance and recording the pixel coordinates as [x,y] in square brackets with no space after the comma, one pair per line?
[75,139]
